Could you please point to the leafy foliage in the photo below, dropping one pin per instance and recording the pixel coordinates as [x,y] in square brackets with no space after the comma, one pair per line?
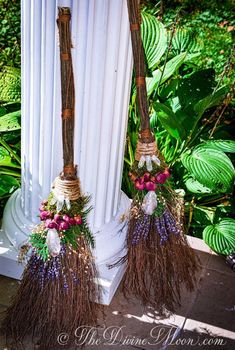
[10,114]
[154,38]
[10,33]
[221,237]
[10,85]
[212,168]
[185,41]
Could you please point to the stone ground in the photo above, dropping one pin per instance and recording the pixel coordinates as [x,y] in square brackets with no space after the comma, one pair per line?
[205,320]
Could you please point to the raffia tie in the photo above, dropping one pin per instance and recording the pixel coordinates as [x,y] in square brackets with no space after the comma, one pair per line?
[145,149]
[68,188]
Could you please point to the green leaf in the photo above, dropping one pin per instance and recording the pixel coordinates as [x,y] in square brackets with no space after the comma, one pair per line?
[5,158]
[154,37]
[170,68]
[196,187]
[221,237]
[195,87]
[8,171]
[185,40]
[210,167]
[169,120]
[227,146]
[10,121]
[203,216]
[10,85]
[2,111]
[211,100]
[7,184]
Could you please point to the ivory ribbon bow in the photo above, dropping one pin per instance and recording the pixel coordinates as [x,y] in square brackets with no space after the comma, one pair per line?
[148,160]
[60,200]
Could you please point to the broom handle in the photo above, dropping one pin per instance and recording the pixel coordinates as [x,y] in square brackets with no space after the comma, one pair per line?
[67,92]
[140,69]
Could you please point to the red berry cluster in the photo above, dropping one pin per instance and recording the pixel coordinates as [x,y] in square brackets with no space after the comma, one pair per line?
[149,182]
[57,221]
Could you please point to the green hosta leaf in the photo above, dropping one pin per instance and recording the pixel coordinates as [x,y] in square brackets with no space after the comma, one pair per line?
[10,121]
[154,38]
[212,168]
[10,85]
[185,40]
[169,120]
[211,100]
[227,146]
[153,120]
[169,70]
[194,88]
[203,215]
[7,184]
[221,237]
[7,171]
[191,56]
[196,187]
[2,111]
[5,158]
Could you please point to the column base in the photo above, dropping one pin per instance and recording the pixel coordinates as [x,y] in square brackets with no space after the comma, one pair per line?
[8,259]
[109,245]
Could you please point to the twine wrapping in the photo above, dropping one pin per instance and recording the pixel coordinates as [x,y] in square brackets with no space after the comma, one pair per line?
[140,81]
[68,188]
[145,149]
[65,56]
[67,113]
[134,26]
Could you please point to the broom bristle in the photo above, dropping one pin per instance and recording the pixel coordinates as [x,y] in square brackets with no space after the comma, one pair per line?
[46,306]
[156,269]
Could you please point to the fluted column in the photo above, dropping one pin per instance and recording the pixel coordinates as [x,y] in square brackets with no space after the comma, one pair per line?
[102,63]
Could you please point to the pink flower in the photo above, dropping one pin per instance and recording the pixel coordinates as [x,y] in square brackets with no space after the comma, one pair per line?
[161,178]
[64,226]
[44,215]
[57,218]
[146,177]
[167,173]
[66,218]
[140,180]
[78,219]
[72,221]
[139,186]
[41,208]
[150,186]
[51,224]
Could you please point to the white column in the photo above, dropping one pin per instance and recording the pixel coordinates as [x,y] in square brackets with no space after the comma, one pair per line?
[102,63]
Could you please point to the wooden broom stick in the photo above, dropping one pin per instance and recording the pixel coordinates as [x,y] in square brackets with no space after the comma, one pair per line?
[140,69]
[67,92]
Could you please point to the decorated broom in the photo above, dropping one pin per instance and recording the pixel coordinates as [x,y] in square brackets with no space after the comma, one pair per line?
[57,287]
[159,259]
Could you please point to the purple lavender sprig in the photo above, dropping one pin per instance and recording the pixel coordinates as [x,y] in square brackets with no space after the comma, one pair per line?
[170,223]
[141,230]
[50,270]
[161,229]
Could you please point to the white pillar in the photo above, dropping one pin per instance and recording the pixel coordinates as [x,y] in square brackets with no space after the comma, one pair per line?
[102,61]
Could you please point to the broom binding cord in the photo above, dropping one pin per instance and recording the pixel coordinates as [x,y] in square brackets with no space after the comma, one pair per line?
[68,93]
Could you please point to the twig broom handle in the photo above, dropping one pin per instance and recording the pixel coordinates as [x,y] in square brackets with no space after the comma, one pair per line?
[140,69]
[67,92]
